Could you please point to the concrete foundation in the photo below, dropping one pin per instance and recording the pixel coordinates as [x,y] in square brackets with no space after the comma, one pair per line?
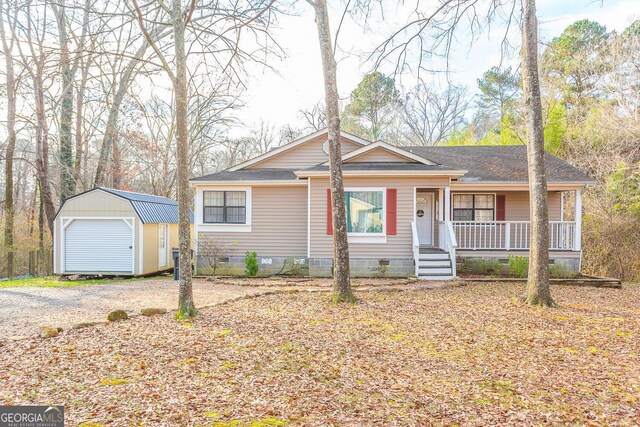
[365,267]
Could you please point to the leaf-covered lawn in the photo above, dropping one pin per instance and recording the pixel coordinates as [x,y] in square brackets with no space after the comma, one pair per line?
[469,355]
[55,282]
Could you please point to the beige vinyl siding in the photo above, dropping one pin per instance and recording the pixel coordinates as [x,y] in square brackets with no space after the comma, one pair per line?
[279,224]
[95,204]
[398,246]
[304,155]
[517,204]
[379,155]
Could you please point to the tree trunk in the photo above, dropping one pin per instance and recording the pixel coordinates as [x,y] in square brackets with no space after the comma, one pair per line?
[67,183]
[111,128]
[186,307]
[537,291]
[42,259]
[116,165]
[11,147]
[77,165]
[341,277]
[42,151]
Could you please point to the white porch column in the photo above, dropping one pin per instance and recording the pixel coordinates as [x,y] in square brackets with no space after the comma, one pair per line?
[440,205]
[577,238]
[447,204]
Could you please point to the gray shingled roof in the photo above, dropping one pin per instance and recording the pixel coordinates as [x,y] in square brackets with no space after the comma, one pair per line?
[150,208]
[377,166]
[506,163]
[265,174]
[497,163]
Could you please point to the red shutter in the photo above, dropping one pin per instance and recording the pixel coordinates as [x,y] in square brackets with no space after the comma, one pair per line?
[500,208]
[392,211]
[329,216]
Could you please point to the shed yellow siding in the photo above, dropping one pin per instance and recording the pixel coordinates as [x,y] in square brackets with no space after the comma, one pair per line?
[304,155]
[279,224]
[151,252]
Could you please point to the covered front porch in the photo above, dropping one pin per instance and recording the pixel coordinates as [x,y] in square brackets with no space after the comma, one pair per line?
[449,224]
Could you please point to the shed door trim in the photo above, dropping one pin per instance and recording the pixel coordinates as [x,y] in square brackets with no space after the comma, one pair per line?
[66,221]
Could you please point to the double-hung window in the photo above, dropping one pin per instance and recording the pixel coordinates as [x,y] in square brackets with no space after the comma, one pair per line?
[365,211]
[225,207]
[473,207]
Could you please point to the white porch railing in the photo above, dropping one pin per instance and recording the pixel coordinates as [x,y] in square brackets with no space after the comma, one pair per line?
[448,242]
[511,235]
[416,244]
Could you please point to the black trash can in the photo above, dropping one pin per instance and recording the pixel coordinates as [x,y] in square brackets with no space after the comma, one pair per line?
[175,252]
[176,263]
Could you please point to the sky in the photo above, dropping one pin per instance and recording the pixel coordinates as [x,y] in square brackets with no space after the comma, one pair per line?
[276,98]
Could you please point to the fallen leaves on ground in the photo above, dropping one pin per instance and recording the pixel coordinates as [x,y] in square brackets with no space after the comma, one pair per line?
[468,355]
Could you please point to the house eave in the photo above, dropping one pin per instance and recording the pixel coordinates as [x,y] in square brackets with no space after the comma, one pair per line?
[255,183]
[517,185]
[385,173]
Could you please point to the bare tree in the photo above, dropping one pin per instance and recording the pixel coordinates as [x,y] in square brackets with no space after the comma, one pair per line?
[537,291]
[431,117]
[314,117]
[8,40]
[341,277]
[34,60]
[217,30]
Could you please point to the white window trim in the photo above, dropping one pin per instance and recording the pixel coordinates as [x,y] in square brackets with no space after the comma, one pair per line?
[481,193]
[222,228]
[371,237]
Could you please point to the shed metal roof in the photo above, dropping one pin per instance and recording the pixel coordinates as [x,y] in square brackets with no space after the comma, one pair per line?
[150,208]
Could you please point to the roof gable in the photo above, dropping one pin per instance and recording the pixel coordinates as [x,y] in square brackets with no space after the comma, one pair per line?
[380,151]
[319,137]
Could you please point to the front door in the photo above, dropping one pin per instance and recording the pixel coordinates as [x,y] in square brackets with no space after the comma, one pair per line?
[424,218]
[162,245]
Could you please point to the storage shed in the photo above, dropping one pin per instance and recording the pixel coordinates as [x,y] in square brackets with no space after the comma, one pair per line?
[114,232]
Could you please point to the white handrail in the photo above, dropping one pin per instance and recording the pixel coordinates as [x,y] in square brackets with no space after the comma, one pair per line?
[416,244]
[452,244]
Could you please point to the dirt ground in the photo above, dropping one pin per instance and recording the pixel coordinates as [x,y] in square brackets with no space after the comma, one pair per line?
[469,355]
[24,310]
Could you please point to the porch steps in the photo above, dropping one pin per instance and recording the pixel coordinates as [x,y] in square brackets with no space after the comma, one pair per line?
[434,264]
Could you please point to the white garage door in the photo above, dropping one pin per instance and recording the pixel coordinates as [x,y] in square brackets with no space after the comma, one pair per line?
[98,245]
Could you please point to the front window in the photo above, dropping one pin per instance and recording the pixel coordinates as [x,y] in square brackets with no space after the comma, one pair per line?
[225,207]
[365,211]
[473,207]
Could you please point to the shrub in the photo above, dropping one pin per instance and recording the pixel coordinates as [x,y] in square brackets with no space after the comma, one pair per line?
[294,267]
[212,253]
[251,263]
[558,271]
[518,266]
[481,266]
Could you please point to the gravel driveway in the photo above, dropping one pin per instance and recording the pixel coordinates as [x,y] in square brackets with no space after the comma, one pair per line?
[24,310]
